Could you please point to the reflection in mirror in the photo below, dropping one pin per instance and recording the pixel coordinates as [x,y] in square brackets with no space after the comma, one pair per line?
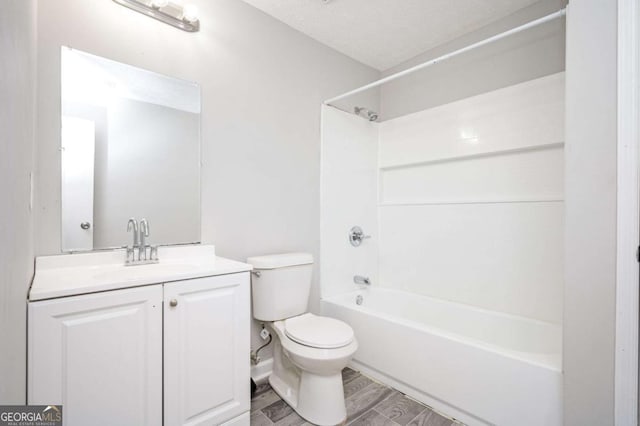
[130,148]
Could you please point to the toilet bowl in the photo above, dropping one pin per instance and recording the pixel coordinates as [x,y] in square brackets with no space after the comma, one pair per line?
[309,378]
[310,351]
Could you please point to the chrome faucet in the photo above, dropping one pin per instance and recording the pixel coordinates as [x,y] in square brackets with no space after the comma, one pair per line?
[132,225]
[140,235]
[144,233]
[357,236]
[359,279]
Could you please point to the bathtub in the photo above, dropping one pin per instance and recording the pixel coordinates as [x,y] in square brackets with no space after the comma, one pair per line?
[479,366]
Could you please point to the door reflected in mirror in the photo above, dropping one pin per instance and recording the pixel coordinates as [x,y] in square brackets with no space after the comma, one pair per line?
[130,148]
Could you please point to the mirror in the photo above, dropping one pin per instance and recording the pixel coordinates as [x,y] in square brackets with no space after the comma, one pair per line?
[130,148]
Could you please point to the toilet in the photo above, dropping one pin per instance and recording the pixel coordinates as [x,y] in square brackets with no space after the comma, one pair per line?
[310,351]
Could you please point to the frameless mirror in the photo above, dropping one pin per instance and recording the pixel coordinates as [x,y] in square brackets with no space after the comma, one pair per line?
[130,148]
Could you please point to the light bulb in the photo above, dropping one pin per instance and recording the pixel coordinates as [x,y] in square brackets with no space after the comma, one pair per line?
[159,4]
[190,13]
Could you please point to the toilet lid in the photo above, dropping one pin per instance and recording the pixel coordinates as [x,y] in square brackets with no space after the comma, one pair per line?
[318,332]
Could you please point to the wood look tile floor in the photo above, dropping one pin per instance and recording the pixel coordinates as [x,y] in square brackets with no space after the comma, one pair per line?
[368,404]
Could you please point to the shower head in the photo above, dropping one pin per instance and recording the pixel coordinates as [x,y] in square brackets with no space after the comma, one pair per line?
[366,113]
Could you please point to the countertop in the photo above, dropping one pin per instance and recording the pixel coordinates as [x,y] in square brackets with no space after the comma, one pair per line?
[75,274]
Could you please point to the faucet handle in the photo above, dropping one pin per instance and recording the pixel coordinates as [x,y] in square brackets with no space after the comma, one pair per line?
[154,253]
[356,236]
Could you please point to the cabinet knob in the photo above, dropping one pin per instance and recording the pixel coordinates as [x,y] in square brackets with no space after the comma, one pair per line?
[173,303]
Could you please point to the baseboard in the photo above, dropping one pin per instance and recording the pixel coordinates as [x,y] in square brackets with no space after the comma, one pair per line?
[261,372]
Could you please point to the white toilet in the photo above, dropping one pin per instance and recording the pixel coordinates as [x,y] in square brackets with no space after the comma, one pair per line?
[310,351]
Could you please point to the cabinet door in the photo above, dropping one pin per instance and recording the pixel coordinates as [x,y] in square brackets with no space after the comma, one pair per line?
[99,355]
[206,349]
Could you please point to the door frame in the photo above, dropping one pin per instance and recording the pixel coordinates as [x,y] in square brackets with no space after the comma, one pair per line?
[628,215]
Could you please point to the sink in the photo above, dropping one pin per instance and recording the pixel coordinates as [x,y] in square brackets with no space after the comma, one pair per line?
[127,273]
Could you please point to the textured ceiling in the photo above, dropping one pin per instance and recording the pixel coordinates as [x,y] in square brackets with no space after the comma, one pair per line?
[385,33]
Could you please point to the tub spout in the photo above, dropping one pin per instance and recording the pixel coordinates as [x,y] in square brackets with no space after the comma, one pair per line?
[359,279]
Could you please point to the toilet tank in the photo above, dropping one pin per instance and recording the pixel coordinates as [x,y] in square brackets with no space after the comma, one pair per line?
[280,285]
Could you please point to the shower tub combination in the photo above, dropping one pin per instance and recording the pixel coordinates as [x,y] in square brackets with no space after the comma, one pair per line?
[479,366]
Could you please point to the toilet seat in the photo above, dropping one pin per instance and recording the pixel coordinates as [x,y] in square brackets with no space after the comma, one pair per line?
[318,332]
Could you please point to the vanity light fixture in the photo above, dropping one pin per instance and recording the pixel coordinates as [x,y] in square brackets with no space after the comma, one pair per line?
[183,17]
[190,13]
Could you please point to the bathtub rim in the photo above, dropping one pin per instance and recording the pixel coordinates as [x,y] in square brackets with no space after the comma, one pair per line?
[555,366]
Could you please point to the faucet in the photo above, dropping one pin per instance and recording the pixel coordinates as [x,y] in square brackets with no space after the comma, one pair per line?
[132,225]
[357,236]
[140,234]
[359,279]
[144,233]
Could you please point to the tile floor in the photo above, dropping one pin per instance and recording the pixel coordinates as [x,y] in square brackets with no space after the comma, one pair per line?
[368,404]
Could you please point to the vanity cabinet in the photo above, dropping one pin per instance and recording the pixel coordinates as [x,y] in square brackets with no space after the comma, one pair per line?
[172,354]
[206,347]
[99,355]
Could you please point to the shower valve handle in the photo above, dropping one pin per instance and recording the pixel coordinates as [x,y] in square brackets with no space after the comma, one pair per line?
[356,236]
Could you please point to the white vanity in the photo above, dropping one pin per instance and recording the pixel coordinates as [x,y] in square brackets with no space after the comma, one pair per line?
[166,343]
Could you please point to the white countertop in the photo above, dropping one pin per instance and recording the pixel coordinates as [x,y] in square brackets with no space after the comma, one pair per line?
[74,274]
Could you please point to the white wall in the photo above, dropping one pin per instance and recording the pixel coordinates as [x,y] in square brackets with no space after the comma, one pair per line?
[590,262]
[17,119]
[349,181]
[471,200]
[531,54]
[262,83]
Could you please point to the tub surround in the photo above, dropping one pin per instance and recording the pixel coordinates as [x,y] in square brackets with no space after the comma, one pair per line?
[479,184]
[472,190]
[465,203]
[349,197]
[66,275]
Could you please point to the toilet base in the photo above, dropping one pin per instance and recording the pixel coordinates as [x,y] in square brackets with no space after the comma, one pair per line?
[321,399]
[318,399]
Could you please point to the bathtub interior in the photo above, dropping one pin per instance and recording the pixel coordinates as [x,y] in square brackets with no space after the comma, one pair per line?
[529,340]
[476,382]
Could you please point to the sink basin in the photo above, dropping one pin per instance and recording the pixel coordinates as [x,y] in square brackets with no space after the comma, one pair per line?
[127,273]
